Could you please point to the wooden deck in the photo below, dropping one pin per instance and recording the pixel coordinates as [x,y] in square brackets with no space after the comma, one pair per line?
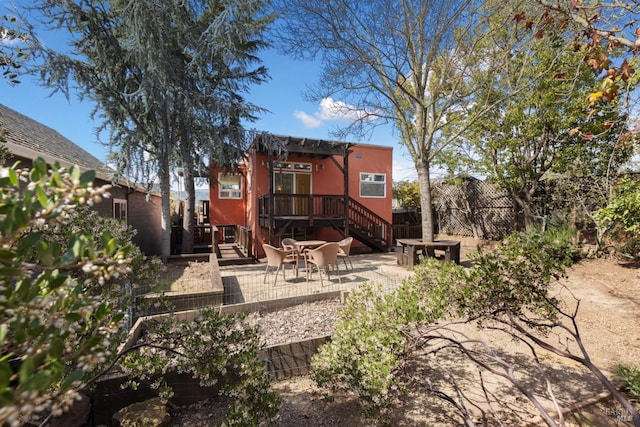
[230,254]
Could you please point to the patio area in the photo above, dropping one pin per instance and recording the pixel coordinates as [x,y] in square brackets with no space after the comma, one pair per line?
[246,283]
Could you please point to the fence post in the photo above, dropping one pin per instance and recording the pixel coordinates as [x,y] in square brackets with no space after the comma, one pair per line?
[215,235]
[249,243]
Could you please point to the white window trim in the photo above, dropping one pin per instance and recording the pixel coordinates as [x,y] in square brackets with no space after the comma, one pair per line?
[293,167]
[383,183]
[126,209]
[233,194]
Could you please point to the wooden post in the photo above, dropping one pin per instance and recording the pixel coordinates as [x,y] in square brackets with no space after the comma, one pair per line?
[215,238]
[249,248]
[271,201]
[345,174]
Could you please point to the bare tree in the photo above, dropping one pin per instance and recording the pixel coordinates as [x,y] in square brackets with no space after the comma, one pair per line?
[402,62]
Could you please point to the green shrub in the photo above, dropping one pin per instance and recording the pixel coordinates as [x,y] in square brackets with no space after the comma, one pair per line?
[620,219]
[631,378]
[370,342]
[372,339]
[83,220]
[212,347]
[62,305]
[58,320]
[365,349]
[514,278]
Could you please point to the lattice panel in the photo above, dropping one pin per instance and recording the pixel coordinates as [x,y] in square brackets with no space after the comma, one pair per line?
[475,208]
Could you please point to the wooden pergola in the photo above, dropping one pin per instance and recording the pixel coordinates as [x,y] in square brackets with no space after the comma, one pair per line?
[280,147]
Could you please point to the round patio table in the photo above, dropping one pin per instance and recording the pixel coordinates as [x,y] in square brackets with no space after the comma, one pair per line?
[301,245]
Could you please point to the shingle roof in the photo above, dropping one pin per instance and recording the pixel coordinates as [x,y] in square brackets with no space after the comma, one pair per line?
[26,136]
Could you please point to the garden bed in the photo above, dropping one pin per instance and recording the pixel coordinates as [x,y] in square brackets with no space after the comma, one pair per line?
[292,332]
[610,306]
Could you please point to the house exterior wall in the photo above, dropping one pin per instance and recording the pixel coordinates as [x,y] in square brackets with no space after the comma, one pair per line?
[326,178]
[145,216]
[364,158]
[27,139]
[142,215]
[226,211]
[105,207]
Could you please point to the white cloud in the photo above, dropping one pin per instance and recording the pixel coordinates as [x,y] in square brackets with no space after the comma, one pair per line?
[338,110]
[404,170]
[308,121]
[329,109]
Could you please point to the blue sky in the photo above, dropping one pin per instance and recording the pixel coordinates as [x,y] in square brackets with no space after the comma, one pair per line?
[282,95]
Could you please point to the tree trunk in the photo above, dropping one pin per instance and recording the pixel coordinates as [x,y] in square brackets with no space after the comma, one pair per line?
[189,195]
[424,182]
[525,207]
[189,212]
[165,193]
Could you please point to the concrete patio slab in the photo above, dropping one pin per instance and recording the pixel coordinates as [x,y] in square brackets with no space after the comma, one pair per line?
[247,283]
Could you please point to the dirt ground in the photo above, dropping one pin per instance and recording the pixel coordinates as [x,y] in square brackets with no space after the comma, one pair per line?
[186,275]
[608,292]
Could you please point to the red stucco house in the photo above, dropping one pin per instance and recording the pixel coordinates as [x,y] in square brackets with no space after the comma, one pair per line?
[307,189]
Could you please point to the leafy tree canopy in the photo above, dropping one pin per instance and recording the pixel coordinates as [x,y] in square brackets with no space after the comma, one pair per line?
[167,78]
[11,54]
[546,128]
[408,194]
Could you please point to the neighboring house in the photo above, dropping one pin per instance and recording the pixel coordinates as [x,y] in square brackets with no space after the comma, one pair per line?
[27,139]
[320,190]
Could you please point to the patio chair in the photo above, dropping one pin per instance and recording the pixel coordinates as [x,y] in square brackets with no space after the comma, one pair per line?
[279,258]
[289,243]
[323,257]
[345,248]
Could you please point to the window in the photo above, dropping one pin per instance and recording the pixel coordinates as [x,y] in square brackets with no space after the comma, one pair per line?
[373,185]
[120,209]
[229,186]
[298,167]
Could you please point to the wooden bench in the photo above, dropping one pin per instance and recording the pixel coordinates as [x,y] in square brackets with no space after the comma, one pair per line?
[410,249]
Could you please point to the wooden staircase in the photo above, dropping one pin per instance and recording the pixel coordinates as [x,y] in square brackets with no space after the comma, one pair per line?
[368,227]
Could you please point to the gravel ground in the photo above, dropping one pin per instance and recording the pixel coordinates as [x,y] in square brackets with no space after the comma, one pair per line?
[297,323]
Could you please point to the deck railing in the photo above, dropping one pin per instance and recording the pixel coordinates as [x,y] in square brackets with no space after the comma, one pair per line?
[307,205]
[311,206]
[227,233]
[365,220]
[244,240]
[203,236]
